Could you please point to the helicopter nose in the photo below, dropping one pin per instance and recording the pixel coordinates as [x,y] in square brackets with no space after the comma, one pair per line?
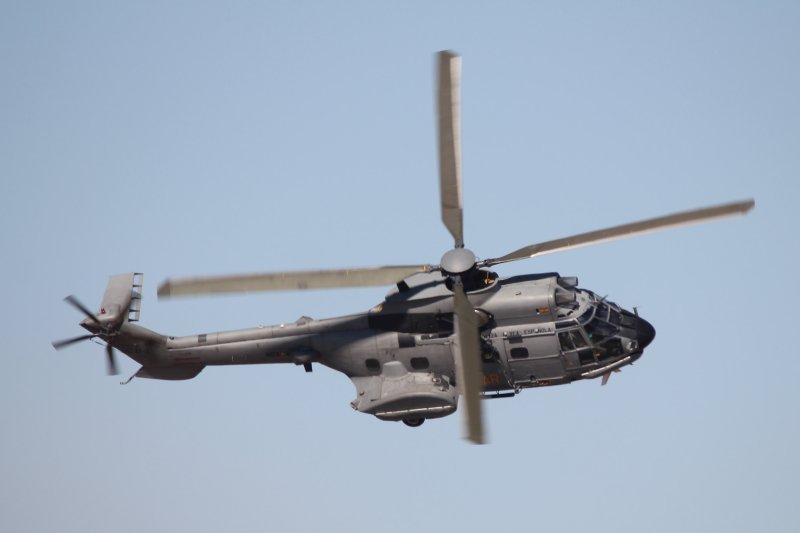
[645,333]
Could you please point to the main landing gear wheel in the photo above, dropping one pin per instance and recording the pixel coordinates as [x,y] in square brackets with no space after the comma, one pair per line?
[413,422]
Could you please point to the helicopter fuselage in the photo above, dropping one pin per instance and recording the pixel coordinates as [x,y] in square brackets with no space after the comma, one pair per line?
[535,330]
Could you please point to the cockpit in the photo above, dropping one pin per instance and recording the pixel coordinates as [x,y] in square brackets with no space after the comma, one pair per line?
[602,331]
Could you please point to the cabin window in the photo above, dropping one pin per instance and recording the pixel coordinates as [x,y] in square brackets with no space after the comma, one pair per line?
[202,338]
[373,365]
[420,363]
[519,353]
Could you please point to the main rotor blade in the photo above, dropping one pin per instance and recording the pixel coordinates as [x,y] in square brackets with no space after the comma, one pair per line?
[467,355]
[111,363]
[448,103]
[626,230]
[74,302]
[68,342]
[288,281]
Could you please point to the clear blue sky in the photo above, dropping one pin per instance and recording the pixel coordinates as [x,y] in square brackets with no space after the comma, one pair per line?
[179,138]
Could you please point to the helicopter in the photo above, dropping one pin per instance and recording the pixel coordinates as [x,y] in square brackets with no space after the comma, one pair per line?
[447,332]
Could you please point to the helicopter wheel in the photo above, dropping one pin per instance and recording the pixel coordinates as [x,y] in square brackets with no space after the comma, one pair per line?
[413,422]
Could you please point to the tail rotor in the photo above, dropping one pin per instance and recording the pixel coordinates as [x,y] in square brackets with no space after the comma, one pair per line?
[58,345]
[105,330]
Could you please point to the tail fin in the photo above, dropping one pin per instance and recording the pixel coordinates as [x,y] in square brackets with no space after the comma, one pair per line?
[122,301]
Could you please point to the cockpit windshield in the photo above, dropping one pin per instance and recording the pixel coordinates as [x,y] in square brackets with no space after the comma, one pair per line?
[599,324]
[598,330]
[605,322]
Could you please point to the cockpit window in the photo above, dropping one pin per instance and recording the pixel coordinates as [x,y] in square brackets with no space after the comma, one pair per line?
[566,341]
[604,324]
[578,339]
[598,331]
[571,340]
[586,316]
[611,348]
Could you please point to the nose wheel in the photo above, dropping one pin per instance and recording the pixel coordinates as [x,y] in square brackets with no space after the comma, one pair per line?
[413,422]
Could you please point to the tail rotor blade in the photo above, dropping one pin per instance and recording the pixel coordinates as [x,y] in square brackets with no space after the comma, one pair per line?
[448,103]
[74,302]
[468,364]
[58,345]
[111,363]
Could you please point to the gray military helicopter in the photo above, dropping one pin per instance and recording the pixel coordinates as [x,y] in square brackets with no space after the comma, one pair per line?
[444,331]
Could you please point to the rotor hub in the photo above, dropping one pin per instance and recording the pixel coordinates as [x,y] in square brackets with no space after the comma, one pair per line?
[458,261]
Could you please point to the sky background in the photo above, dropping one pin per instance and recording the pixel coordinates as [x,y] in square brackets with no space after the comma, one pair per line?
[190,138]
